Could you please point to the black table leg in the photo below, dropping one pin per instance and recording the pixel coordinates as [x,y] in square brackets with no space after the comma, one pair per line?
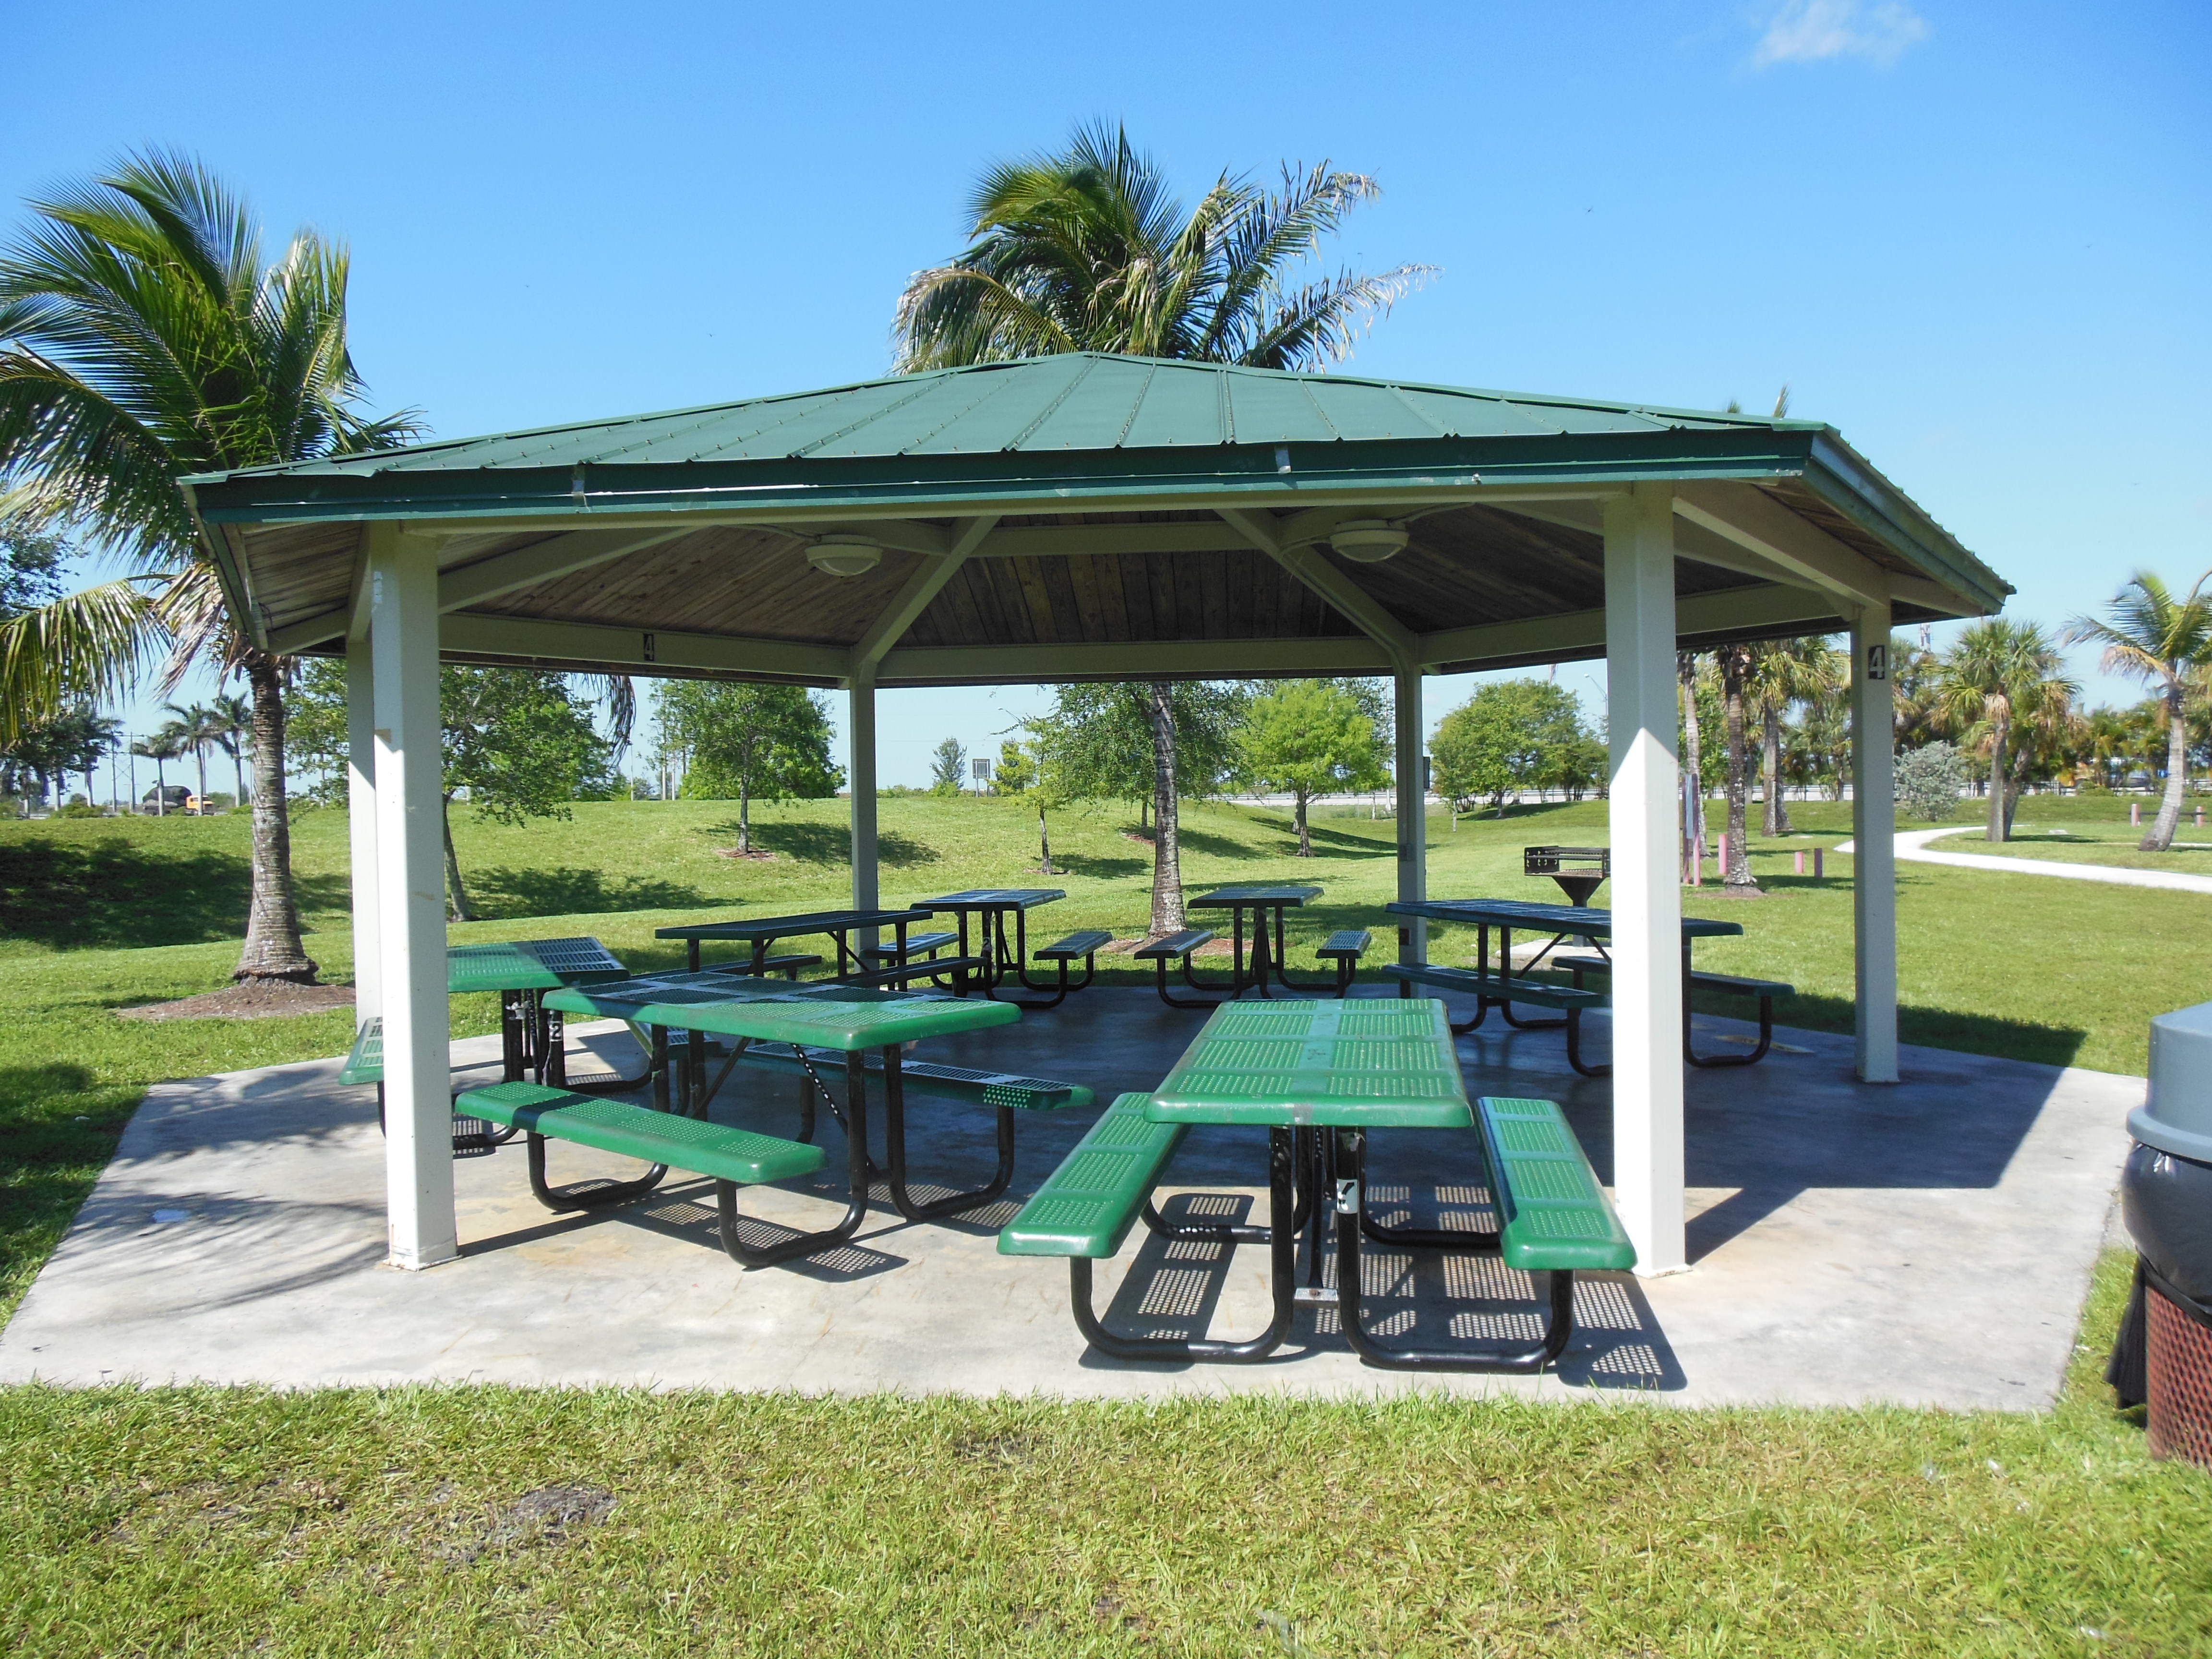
[513,1036]
[1282,1262]
[895,1139]
[856,1178]
[1351,1216]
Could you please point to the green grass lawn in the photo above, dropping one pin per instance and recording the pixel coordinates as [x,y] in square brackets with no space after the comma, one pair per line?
[414,1520]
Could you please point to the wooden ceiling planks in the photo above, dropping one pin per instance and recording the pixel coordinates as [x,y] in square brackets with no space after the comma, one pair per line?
[301,570]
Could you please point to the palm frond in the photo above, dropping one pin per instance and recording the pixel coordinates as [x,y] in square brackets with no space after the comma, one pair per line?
[82,648]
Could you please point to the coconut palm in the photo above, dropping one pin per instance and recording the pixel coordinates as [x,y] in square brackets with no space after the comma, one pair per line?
[1733,664]
[1783,673]
[233,717]
[1997,675]
[198,728]
[160,747]
[143,339]
[1087,250]
[2156,638]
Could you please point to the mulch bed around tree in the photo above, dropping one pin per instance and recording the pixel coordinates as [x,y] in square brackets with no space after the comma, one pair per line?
[266,1000]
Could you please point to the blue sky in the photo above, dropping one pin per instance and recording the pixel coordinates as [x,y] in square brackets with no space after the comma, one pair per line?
[1973,237]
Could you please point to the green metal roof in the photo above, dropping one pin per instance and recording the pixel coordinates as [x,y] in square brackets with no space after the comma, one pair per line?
[1079,401]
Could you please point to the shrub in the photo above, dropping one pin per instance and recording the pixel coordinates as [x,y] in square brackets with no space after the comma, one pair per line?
[1929,779]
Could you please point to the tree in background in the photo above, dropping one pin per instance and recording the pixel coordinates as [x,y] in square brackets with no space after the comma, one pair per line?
[1785,673]
[233,734]
[1997,676]
[1732,663]
[1929,779]
[1310,737]
[316,733]
[1015,772]
[197,728]
[1159,742]
[521,744]
[2154,637]
[1087,250]
[1915,702]
[948,768]
[748,741]
[46,753]
[1510,735]
[143,339]
[160,747]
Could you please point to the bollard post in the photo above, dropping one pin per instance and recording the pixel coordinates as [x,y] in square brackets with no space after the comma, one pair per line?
[2135,814]
[1800,861]
[1819,862]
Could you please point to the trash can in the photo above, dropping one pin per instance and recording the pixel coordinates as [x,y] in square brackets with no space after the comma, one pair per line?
[2163,1356]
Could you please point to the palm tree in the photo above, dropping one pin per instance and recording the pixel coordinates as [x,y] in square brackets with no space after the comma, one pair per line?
[1734,663]
[1688,669]
[2159,640]
[1998,674]
[1087,250]
[1785,672]
[143,339]
[198,728]
[233,717]
[160,747]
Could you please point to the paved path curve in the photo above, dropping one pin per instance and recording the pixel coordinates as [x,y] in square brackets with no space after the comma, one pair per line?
[1912,845]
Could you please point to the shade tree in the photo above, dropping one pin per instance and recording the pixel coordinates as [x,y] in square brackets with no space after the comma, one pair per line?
[1308,737]
[748,741]
[2149,635]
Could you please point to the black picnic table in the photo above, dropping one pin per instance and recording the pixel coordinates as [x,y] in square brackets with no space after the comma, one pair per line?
[762,932]
[991,906]
[1564,922]
[1263,902]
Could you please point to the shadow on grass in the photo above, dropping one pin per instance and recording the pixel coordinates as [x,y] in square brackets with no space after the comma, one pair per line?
[1927,1028]
[111,895]
[831,844]
[565,890]
[1077,864]
[1218,846]
[1327,844]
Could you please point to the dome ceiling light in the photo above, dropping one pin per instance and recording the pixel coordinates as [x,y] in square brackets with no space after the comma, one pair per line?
[844,556]
[1368,541]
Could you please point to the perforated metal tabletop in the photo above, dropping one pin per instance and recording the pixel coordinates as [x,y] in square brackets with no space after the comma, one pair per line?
[1366,1063]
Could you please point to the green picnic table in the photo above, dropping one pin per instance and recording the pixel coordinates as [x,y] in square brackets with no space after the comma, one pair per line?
[762,932]
[1321,1077]
[1002,958]
[850,1018]
[521,971]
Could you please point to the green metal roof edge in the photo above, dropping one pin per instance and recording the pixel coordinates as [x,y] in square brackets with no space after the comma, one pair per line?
[1061,479]
[331,465]
[1852,484]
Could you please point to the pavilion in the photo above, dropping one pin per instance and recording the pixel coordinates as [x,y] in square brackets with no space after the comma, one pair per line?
[1103,518]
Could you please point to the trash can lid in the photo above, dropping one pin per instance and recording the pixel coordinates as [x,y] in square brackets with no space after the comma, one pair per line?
[2177,1116]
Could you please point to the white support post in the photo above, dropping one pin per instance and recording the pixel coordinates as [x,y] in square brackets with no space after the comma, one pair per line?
[1874,842]
[1412,811]
[410,876]
[361,814]
[861,772]
[1646,895]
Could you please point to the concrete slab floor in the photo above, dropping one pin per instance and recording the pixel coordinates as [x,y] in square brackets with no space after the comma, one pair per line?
[1924,1244]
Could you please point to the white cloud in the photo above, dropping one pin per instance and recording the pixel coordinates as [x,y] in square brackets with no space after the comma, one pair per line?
[1812,31]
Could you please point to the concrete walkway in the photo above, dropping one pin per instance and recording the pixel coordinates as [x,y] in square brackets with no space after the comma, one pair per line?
[1929,1244]
[1912,845]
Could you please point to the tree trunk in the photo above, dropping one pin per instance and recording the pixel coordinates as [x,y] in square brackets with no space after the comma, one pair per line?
[238,776]
[1999,819]
[161,791]
[1305,840]
[200,755]
[1168,915]
[457,897]
[1777,811]
[744,813]
[273,950]
[1693,829]
[1044,846]
[1735,664]
[2159,837]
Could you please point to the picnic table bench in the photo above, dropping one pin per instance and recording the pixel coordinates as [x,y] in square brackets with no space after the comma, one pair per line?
[1766,990]
[1322,1076]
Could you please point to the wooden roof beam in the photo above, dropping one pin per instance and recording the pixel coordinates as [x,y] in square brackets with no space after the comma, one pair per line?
[890,627]
[1358,606]
[635,651]
[541,561]
[1793,549]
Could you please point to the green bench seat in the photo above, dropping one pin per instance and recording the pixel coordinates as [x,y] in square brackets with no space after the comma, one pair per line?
[786,963]
[1084,944]
[1553,1215]
[1344,947]
[914,943]
[1173,947]
[1766,990]
[364,1063]
[930,1078]
[1492,989]
[1087,1205]
[732,1157]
